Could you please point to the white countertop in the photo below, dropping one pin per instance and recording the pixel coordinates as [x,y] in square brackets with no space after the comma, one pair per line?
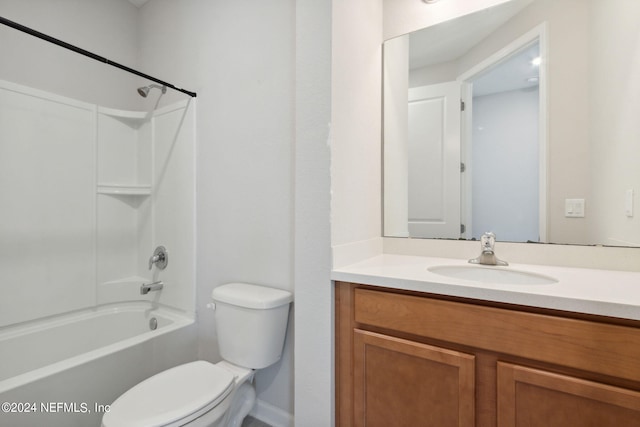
[582,290]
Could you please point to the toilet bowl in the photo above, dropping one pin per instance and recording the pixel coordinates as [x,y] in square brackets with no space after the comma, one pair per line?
[251,324]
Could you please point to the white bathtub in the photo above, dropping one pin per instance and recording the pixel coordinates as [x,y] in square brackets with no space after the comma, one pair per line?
[66,370]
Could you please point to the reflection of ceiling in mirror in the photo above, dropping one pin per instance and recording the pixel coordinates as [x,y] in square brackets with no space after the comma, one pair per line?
[516,72]
[456,37]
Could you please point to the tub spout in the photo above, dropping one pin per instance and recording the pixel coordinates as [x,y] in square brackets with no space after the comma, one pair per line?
[155,286]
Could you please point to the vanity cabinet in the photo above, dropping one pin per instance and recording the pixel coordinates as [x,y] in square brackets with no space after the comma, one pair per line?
[412,359]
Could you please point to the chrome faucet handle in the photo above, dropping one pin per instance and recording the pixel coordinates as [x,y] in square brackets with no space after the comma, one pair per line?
[488,256]
[160,258]
[488,241]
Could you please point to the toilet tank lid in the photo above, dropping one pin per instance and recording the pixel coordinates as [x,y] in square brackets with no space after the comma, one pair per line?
[251,296]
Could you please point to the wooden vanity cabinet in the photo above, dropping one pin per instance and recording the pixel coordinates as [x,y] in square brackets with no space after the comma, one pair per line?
[411,359]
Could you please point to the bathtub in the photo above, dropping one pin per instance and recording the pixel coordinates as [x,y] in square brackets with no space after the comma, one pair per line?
[67,370]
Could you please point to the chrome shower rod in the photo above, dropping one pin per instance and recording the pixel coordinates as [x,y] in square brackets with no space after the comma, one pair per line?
[89,54]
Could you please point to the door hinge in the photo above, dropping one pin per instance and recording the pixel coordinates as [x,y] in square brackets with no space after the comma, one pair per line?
[461,105]
[462,228]
[463,167]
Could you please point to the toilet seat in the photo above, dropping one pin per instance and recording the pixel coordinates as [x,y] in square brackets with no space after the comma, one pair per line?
[173,397]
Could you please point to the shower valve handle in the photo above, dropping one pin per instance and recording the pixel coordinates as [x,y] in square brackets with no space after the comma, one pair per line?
[160,258]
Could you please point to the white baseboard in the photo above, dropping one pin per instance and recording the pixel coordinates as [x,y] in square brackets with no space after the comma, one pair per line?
[271,415]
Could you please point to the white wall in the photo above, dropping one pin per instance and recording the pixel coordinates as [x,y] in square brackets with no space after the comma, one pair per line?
[239,58]
[356,121]
[613,121]
[312,266]
[105,27]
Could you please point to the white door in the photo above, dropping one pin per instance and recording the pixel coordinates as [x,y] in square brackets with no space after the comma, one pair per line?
[434,161]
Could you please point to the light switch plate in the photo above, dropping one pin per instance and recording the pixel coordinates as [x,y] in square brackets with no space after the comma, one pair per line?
[574,208]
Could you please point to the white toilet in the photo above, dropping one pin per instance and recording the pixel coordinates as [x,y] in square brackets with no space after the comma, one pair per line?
[251,322]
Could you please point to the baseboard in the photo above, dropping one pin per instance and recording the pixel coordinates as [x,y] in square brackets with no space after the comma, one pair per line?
[271,415]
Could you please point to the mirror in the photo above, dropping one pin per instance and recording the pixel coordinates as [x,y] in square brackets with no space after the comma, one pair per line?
[521,119]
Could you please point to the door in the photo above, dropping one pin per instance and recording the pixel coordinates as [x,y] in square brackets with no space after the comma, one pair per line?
[401,383]
[534,398]
[434,161]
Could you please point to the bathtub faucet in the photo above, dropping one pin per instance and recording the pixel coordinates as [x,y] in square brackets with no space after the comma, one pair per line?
[160,258]
[155,286]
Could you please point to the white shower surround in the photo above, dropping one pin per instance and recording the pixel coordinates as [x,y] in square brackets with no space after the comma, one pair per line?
[88,193]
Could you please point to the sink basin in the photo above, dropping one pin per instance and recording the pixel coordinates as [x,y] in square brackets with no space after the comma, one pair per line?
[494,275]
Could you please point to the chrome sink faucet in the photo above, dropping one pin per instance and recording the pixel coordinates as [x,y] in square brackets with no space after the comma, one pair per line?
[155,286]
[488,256]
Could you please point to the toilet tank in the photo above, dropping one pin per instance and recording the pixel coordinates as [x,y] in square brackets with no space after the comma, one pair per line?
[251,323]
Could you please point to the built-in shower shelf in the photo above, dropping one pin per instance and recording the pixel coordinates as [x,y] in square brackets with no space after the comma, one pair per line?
[124,190]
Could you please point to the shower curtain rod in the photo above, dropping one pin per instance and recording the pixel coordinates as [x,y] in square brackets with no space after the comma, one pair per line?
[92,55]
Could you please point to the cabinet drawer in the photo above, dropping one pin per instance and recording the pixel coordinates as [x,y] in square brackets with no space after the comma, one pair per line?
[602,348]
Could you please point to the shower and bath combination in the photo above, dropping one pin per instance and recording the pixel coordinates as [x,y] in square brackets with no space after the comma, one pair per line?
[111,164]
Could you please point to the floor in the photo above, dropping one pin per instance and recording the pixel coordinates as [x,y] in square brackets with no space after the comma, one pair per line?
[252,422]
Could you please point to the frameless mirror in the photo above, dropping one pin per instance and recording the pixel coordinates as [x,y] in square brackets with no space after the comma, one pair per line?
[520,119]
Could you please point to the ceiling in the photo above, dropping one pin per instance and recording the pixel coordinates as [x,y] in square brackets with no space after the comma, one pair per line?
[516,72]
[452,39]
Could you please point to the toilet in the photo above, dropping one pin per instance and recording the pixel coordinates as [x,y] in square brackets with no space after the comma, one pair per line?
[251,323]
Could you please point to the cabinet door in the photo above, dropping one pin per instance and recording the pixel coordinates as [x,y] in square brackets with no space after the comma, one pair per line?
[404,383]
[534,398]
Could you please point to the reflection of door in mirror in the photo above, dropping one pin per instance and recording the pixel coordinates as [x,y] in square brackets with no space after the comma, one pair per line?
[434,161]
[501,187]
[421,151]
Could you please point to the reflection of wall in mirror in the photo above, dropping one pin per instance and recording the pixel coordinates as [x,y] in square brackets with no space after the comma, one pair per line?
[567,107]
[505,165]
[396,76]
[593,127]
